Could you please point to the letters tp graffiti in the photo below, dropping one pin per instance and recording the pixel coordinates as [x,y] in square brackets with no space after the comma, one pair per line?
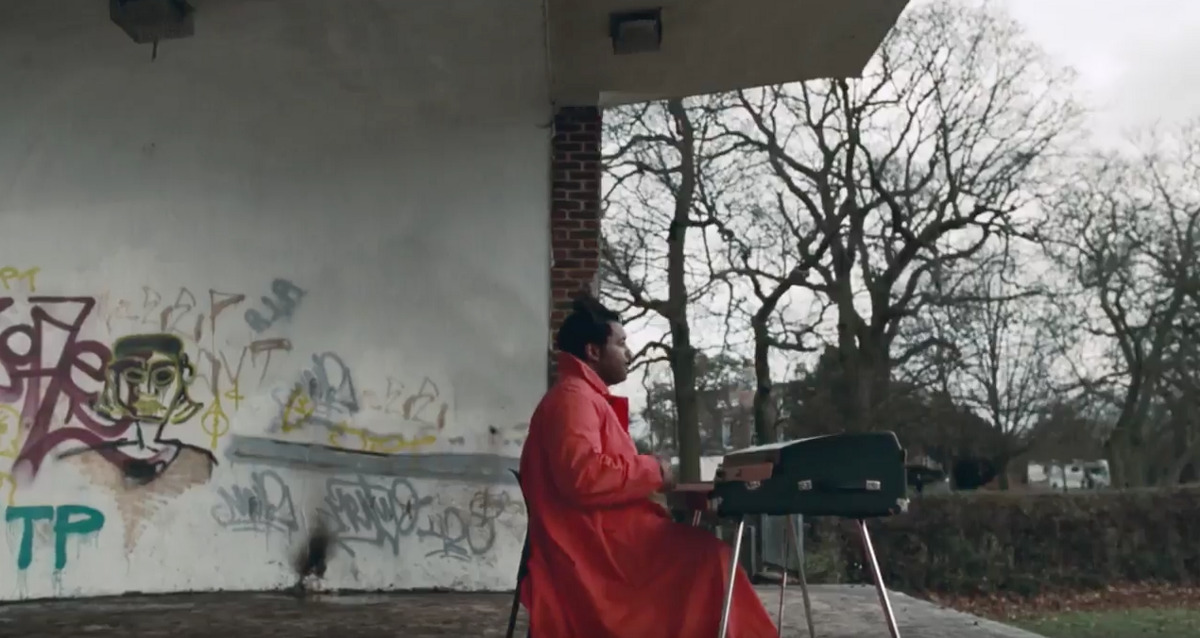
[68,520]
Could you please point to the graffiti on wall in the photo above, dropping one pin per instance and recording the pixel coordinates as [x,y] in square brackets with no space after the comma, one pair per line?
[150,384]
[10,438]
[285,297]
[328,383]
[371,512]
[378,513]
[145,412]
[463,534]
[13,278]
[263,505]
[143,379]
[325,398]
[146,383]
[423,405]
[188,319]
[221,365]
[65,521]
[136,414]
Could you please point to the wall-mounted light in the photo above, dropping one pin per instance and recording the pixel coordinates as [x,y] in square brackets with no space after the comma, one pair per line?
[635,31]
[148,21]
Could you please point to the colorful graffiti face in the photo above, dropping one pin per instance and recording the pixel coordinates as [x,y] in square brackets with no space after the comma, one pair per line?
[147,381]
[143,380]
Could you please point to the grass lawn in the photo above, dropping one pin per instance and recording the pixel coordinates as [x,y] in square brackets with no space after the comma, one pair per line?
[1124,623]
[1117,611]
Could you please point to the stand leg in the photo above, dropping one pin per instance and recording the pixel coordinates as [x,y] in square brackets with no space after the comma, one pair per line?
[733,567]
[797,537]
[787,545]
[877,576]
[512,616]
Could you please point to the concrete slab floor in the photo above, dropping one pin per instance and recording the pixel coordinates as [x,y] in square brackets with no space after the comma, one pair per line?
[839,612]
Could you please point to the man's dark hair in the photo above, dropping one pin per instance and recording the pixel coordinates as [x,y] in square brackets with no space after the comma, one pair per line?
[588,323]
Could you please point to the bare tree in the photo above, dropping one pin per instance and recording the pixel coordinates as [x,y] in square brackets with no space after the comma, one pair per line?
[1127,230]
[771,248]
[1005,337]
[913,168]
[665,164]
[1180,443]
[721,382]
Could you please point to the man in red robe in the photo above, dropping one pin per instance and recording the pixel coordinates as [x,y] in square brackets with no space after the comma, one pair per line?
[605,560]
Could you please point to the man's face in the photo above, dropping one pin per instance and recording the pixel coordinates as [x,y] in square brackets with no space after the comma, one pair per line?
[611,362]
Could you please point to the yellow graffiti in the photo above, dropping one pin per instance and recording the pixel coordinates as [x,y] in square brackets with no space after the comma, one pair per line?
[235,395]
[298,409]
[12,488]
[10,274]
[10,435]
[214,422]
[425,406]
[10,446]
[10,431]
[366,441]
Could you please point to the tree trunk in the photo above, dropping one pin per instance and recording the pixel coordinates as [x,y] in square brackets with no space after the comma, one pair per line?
[1002,464]
[1116,467]
[764,429]
[683,356]
[683,373]
[870,383]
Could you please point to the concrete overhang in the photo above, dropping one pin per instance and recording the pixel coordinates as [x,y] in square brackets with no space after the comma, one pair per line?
[710,46]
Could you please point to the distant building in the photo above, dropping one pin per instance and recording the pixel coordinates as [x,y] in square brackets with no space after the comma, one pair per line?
[1073,475]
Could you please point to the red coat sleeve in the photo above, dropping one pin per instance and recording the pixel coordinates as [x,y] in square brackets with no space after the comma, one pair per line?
[584,473]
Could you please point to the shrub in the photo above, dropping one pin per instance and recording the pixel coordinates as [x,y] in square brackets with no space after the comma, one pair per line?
[1025,543]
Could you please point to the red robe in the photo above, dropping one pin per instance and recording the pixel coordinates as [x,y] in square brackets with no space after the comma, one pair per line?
[605,560]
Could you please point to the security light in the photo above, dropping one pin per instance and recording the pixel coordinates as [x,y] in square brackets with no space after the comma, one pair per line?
[148,21]
[635,31]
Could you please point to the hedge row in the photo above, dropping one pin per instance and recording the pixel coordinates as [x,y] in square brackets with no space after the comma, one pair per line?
[1020,543]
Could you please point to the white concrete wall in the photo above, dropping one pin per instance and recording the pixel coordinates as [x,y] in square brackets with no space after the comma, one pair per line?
[339,210]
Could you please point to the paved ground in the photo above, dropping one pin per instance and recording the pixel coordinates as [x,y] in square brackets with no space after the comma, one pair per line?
[839,612]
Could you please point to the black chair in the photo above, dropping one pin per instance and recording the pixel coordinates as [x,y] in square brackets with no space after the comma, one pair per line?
[522,571]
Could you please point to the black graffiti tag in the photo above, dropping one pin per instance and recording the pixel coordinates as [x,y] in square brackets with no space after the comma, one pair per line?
[285,297]
[361,513]
[264,505]
[470,533]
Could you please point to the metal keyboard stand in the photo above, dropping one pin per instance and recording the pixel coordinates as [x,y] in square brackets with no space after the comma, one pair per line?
[793,540]
[872,561]
[877,576]
[789,544]
[733,567]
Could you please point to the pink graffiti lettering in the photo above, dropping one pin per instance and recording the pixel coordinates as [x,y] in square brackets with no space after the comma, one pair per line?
[27,368]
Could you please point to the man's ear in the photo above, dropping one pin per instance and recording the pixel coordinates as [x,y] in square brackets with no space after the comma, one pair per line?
[593,352]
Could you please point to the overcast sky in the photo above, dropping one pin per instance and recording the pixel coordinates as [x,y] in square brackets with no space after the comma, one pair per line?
[1138,62]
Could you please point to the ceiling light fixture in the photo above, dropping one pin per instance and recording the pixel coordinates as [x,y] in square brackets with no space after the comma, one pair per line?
[635,31]
[148,21]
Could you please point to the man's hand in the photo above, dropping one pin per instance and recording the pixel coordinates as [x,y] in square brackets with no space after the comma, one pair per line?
[668,474]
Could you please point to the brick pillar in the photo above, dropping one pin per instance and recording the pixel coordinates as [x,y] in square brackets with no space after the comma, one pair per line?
[574,211]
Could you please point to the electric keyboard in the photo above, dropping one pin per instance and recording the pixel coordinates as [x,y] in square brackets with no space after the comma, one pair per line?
[858,476]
